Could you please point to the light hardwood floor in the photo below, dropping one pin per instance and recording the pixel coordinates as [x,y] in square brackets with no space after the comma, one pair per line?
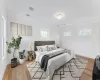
[87,74]
[21,72]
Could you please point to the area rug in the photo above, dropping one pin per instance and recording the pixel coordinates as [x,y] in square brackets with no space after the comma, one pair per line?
[70,71]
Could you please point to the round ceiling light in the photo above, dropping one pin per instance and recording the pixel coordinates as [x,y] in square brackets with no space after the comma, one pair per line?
[59,15]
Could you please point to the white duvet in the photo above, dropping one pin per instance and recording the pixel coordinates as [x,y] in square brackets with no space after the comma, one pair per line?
[55,62]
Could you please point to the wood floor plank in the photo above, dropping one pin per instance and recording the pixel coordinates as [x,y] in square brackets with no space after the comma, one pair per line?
[85,77]
[21,72]
[18,73]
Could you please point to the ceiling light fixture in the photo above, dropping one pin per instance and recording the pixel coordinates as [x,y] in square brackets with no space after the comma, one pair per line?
[59,15]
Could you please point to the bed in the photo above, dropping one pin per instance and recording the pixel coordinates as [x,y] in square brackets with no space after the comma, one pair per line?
[55,62]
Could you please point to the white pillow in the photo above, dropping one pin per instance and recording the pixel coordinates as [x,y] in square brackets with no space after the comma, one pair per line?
[39,49]
[42,48]
[51,47]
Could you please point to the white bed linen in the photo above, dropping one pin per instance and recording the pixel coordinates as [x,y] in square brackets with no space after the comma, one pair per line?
[54,63]
[39,54]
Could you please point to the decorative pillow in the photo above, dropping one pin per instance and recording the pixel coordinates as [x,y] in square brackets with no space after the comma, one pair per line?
[39,49]
[42,48]
[51,47]
[48,48]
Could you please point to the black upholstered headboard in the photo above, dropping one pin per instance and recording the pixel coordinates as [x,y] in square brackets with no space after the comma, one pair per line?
[41,43]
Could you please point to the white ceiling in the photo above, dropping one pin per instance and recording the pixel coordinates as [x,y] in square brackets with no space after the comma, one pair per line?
[76,11]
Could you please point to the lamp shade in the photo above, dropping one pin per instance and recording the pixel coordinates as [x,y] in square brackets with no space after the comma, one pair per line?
[30,46]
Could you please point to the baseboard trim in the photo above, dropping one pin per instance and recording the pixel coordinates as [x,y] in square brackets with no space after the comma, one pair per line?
[85,57]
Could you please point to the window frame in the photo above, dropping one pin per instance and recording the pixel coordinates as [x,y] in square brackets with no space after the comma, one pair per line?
[44,34]
[85,32]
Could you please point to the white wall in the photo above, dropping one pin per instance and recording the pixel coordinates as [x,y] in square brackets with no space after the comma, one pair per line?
[36,27]
[88,46]
[3,61]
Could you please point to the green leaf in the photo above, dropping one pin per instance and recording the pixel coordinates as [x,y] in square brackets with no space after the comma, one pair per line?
[15,43]
[8,50]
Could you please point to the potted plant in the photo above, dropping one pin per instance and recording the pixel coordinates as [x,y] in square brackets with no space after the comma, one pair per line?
[13,46]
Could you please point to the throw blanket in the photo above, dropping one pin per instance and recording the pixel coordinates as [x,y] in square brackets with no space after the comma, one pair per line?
[45,58]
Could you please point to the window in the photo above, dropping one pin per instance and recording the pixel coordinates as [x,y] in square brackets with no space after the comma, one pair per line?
[3,25]
[21,29]
[85,32]
[67,33]
[44,34]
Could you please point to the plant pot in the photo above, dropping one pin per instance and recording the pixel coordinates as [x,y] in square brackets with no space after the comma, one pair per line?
[21,61]
[13,62]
